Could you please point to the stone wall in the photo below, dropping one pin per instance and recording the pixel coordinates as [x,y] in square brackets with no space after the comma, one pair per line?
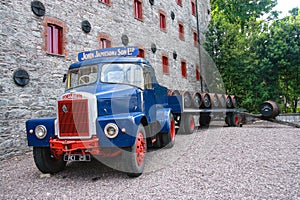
[22,46]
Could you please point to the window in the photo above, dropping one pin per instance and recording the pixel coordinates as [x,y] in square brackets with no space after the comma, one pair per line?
[54,36]
[123,73]
[197,73]
[105,1]
[179,2]
[162,21]
[193,4]
[165,63]
[195,36]
[138,9]
[104,41]
[141,53]
[181,30]
[54,39]
[183,69]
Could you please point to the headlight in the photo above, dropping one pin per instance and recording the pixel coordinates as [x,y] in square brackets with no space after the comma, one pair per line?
[40,131]
[111,130]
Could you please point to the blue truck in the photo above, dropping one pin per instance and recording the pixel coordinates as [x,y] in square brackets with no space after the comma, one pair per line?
[112,106]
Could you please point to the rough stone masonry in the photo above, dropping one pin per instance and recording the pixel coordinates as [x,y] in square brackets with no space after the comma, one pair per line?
[23,46]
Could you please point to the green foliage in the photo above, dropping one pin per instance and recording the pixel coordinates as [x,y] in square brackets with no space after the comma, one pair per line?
[257,60]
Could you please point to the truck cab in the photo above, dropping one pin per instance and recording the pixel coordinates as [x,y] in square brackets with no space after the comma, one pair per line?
[112,105]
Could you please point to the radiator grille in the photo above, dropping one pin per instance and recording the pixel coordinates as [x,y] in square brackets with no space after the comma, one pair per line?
[73,118]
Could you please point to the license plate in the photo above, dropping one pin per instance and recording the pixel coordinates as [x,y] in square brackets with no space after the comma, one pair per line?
[77,157]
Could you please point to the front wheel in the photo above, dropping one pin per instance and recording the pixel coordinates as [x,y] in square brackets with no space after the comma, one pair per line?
[168,139]
[46,162]
[134,160]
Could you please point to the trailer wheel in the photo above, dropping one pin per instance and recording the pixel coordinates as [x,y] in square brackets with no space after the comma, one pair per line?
[189,124]
[205,119]
[168,139]
[236,120]
[46,162]
[228,120]
[134,160]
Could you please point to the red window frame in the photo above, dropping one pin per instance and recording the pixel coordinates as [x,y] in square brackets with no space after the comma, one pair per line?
[197,73]
[54,39]
[183,69]
[193,5]
[141,53]
[162,21]
[179,2]
[105,43]
[181,30]
[138,9]
[165,64]
[195,37]
[105,2]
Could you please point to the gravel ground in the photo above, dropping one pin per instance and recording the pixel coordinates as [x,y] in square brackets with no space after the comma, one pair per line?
[258,161]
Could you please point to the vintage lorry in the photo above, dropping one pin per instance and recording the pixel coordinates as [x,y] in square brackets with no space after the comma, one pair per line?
[113,106]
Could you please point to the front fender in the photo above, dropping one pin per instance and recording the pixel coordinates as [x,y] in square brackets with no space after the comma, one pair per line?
[163,117]
[30,127]
[128,122]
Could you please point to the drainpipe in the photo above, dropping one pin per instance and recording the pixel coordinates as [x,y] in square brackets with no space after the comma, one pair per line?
[199,46]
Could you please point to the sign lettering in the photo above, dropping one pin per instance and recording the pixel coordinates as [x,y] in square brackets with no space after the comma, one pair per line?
[108,52]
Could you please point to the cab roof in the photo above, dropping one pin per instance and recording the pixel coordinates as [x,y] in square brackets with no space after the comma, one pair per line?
[122,59]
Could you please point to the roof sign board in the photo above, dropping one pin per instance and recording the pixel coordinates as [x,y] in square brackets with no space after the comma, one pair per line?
[108,52]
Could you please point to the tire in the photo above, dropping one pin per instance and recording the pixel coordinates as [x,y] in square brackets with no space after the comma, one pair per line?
[45,161]
[134,160]
[236,120]
[189,124]
[168,139]
[205,119]
[228,119]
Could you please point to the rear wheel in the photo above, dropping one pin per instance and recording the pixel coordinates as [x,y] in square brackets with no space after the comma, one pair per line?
[205,119]
[46,162]
[168,139]
[236,120]
[134,160]
[189,124]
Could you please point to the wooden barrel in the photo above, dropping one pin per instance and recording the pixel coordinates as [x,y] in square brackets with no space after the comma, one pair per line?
[222,99]
[187,98]
[214,100]
[206,101]
[269,109]
[234,101]
[175,93]
[228,101]
[196,100]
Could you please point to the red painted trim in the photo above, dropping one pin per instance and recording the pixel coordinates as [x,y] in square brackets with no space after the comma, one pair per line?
[90,146]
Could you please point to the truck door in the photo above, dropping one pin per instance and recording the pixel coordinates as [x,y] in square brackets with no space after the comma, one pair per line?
[149,97]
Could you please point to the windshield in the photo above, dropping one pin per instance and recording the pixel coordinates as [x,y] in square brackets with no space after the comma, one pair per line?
[82,76]
[127,73]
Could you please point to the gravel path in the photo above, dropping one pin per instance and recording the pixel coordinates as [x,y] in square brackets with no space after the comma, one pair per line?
[259,161]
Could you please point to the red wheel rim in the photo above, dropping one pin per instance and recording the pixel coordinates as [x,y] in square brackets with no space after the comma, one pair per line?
[140,148]
[236,120]
[172,129]
[192,124]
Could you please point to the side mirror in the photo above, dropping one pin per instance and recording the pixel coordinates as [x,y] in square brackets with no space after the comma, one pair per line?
[64,78]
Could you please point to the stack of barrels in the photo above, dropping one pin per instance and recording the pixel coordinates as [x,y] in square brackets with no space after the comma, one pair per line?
[205,100]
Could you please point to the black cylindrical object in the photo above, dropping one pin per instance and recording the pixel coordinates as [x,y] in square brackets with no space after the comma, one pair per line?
[206,101]
[196,100]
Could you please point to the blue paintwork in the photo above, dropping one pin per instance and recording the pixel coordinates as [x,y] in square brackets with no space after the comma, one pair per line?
[163,116]
[32,139]
[129,121]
